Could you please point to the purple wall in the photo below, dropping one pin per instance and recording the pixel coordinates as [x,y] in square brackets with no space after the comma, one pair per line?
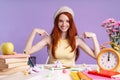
[19,17]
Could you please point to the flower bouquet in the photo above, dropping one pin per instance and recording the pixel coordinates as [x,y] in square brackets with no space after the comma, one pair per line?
[113,30]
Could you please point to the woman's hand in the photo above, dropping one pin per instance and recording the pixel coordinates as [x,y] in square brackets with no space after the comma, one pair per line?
[32,36]
[89,35]
[41,32]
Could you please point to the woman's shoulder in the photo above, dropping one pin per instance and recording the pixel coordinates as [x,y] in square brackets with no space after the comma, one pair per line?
[79,40]
[47,39]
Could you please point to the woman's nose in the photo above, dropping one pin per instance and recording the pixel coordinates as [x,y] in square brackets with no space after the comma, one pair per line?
[64,23]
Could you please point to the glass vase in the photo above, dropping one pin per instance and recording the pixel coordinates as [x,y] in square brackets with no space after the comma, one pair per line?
[115,42]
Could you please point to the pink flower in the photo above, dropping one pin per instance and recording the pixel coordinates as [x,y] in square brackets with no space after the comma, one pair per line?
[117,23]
[111,20]
[108,28]
[113,30]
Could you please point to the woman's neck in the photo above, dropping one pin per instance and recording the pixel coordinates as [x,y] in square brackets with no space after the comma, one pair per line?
[64,35]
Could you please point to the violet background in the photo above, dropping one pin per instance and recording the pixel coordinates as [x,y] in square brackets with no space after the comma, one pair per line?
[19,17]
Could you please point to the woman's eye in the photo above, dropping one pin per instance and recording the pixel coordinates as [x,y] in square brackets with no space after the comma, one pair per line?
[67,21]
[60,21]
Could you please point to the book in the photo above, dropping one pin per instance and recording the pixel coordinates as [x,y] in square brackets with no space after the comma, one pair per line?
[83,76]
[105,73]
[74,75]
[12,60]
[12,65]
[14,56]
[14,70]
[79,76]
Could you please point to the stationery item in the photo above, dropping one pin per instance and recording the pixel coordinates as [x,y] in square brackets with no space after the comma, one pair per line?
[33,59]
[75,69]
[74,75]
[12,60]
[13,70]
[53,67]
[116,76]
[30,62]
[12,65]
[58,64]
[83,76]
[29,59]
[105,73]
[14,56]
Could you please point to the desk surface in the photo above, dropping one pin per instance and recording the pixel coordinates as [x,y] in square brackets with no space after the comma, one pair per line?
[49,74]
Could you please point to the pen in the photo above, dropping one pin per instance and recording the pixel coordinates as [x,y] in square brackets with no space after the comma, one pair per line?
[29,60]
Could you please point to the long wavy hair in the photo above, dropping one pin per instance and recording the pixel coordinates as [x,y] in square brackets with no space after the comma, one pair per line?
[72,32]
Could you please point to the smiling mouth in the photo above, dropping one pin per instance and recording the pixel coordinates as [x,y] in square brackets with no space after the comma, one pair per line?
[63,27]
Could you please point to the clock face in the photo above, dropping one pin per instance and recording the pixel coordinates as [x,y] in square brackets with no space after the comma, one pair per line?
[108,59]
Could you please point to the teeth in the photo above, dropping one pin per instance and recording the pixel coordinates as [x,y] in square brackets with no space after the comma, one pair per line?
[63,27]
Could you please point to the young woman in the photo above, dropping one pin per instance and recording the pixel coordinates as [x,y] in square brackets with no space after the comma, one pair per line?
[63,43]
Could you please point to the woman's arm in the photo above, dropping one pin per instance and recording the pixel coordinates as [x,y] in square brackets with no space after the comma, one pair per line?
[86,48]
[29,48]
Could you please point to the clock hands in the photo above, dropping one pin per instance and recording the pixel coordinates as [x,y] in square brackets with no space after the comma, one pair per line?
[108,56]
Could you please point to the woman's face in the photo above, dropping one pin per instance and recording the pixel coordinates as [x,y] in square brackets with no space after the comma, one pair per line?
[63,23]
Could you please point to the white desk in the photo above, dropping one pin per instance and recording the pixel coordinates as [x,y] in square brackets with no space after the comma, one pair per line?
[47,74]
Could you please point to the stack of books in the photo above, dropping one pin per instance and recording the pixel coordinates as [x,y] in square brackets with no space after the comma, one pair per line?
[13,63]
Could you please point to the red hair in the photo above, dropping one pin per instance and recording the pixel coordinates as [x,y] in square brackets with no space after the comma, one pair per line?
[72,32]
